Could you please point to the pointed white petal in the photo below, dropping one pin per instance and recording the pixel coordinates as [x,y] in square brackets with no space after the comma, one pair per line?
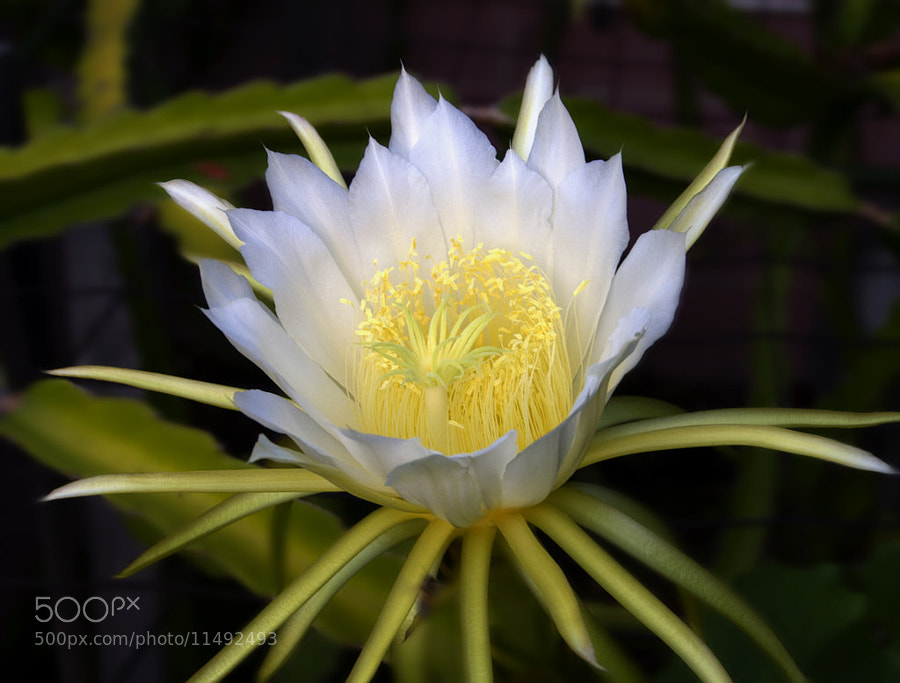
[590,233]
[716,164]
[221,285]
[315,146]
[204,205]
[381,454]
[390,205]
[409,109]
[557,149]
[315,304]
[649,278]
[456,488]
[699,211]
[553,458]
[516,211]
[457,159]
[538,89]
[299,188]
[321,451]
[256,333]
[266,450]
[530,476]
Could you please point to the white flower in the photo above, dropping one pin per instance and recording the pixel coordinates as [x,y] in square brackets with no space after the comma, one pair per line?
[449,328]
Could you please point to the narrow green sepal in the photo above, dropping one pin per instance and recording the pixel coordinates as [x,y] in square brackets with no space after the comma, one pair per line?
[629,592]
[230,510]
[475,565]
[250,479]
[202,392]
[378,532]
[626,440]
[576,501]
[425,554]
[549,584]
[716,164]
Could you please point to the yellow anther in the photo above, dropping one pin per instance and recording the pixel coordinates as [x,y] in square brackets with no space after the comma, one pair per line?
[475,343]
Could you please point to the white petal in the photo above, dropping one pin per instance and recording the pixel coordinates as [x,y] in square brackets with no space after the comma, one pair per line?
[538,89]
[266,450]
[589,235]
[551,460]
[381,454]
[516,211]
[649,278]
[390,205]
[457,159]
[257,334]
[458,488]
[204,205]
[300,188]
[590,403]
[557,149]
[409,109]
[446,486]
[221,285]
[530,476]
[321,451]
[699,211]
[315,304]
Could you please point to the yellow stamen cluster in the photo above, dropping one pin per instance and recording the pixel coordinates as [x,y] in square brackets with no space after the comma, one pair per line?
[463,353]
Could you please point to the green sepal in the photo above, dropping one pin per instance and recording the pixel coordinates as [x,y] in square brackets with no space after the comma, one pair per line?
[230,510]
[549,585]
[246,480]
[375,534]
[716,164]
[475,565]
[202,392]
[426,553]
[576,501]
[792,418]
[629,592]
[611,443]
[622,409]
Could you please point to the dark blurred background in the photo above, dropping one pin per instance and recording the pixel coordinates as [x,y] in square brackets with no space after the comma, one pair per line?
[790,300]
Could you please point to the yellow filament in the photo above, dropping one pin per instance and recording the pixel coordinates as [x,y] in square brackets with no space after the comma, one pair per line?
[462,353]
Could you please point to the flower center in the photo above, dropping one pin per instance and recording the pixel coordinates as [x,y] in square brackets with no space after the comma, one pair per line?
[462,353]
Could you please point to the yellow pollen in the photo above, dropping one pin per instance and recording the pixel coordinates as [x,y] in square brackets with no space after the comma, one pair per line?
[461,353]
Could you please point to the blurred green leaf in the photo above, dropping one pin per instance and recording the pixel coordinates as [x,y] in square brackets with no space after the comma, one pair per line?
[676,155]
[856,23]
[103,78]
[813,612]
[70,175]
[873,370]
[43,111]
[851,18]
[752,69]
[888,82]
[93,436]
[880,574]
[680,154]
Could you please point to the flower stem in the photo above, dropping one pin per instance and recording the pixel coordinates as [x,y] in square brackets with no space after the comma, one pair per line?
[476,637]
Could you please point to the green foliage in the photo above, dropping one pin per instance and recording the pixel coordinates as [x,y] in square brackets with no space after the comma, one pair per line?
[835,629]
[747,65]
[100,170]
[93,436]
